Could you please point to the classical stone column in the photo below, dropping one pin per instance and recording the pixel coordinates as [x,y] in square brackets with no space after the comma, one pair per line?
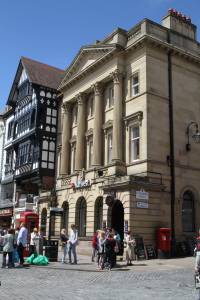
[98,119]
[66,132]
[81,127]
[117,117]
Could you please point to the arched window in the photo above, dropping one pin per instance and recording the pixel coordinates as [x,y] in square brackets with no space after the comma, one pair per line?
[188,212]
[43,224]
[81,211]
[98,213]
[65,217]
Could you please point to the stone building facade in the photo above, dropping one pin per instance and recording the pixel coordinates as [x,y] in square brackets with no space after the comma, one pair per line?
[122,161]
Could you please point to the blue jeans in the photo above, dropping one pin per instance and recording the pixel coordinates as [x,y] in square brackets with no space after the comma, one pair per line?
[64,249]
[72,249]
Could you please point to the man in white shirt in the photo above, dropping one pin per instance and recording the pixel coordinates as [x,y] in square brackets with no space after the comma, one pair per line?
[73,241]
[21,242]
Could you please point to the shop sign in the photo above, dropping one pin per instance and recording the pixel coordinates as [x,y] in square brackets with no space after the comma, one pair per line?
[56,209]
[144,199]
[6,212]
[82,183]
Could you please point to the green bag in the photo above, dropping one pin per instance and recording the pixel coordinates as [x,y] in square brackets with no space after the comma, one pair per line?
[40,260]
[30,259]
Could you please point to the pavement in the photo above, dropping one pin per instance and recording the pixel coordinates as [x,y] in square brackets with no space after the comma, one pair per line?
[148,279]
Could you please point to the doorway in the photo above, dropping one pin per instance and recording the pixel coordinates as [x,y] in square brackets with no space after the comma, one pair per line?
[117,218]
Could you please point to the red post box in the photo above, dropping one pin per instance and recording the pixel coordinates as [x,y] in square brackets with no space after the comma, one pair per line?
[164,242]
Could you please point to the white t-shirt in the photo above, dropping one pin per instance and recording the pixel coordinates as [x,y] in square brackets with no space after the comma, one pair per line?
[34,238]
[73,238]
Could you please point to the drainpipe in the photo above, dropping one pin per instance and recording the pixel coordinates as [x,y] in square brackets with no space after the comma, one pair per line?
[172,159]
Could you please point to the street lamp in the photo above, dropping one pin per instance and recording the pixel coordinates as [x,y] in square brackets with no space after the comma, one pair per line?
[193,130]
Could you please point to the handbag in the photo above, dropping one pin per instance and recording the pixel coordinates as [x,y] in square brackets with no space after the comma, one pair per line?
[62,244]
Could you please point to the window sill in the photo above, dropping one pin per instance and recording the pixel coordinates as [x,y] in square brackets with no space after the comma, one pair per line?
[136,162]
[134,97]
[109,109]
[74,126]
[90,118]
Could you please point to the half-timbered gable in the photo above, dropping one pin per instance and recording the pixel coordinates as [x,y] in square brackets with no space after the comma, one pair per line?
[34,99]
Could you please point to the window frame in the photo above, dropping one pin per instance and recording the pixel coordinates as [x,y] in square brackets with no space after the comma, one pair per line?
[110,96]
[73,157]
[90,149]
[49,152]
[132,141]
[24,154]
[90,107]
[50,115]
[187,213]
[75,115]
[136,85]
[109,149]
[10,130]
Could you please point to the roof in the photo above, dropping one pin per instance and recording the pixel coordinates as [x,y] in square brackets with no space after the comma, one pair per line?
[38,73]
[42,74]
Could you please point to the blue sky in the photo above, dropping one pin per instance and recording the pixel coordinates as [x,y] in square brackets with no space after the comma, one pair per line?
[52,31]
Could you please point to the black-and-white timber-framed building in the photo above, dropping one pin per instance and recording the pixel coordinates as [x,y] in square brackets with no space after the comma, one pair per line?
[34,99]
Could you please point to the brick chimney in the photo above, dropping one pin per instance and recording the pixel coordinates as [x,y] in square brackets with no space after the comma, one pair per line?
[178,22]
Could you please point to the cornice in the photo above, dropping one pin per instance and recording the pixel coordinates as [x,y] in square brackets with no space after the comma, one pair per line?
[148,39]
[107,125]
[73,139]
[89,132]
[136,117]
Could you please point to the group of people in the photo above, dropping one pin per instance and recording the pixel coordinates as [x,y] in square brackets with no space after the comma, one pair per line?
[106,245]
[14,241]
[68,244]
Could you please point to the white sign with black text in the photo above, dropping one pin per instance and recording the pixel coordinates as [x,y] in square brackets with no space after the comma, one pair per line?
[144,199]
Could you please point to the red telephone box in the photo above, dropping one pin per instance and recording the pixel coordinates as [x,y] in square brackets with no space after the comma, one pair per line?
[164,242]
[30,219]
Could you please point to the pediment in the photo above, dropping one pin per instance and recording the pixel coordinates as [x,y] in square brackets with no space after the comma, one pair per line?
[87,57]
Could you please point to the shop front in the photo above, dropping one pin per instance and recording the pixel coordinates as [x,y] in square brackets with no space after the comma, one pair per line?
[6,217]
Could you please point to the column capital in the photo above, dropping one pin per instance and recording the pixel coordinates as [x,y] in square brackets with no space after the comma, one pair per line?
[67,108]
[80,98]
[98,88]
[117,76]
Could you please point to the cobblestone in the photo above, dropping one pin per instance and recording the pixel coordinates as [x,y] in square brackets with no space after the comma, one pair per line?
[147,280]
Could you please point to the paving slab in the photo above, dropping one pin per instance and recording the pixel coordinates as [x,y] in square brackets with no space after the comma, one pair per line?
[149,279]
